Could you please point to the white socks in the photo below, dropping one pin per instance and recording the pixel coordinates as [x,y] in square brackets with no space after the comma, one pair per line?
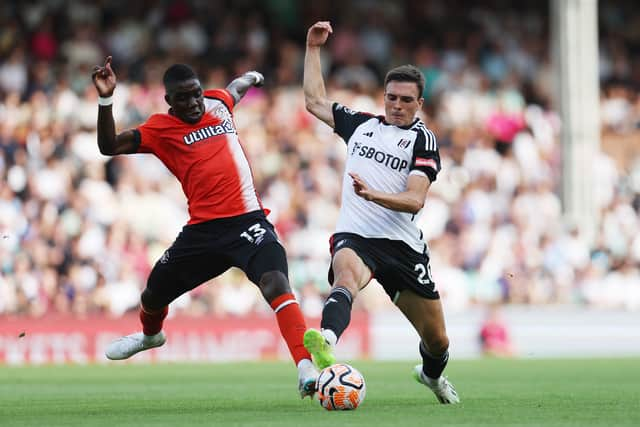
[305,365]
[330,336]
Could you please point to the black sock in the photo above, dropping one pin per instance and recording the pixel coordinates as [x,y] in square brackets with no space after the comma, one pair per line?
[336,313]
[432,366]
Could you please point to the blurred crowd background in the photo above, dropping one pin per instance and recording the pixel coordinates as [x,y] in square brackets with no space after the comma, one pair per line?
[81,231]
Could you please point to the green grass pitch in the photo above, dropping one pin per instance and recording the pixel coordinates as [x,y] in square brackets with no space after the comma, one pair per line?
[584,392]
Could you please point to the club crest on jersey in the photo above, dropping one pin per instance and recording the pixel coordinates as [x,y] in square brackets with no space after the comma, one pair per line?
[208,132]
[165,257]
[404,143]
[221,112]
[347,110]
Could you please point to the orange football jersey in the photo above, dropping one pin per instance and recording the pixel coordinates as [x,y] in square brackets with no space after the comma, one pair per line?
[206,157]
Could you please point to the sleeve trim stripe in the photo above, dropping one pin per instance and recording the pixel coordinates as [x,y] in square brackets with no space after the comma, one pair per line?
[430,138]
[223,101]
[426,163]
[432,141]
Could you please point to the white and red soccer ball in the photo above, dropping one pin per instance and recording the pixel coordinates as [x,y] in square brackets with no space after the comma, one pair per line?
[340,387]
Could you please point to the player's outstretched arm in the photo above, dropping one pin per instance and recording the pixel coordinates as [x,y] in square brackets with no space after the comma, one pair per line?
[315,96]
[109,142]
[411,200]
[239,86]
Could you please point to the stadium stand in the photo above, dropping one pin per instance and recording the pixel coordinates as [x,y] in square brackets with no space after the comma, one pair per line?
[80,231]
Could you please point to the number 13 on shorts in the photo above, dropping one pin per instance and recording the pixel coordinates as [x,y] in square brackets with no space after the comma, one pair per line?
[254,234]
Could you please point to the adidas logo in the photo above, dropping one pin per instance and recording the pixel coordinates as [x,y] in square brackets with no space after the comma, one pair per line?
[369,134]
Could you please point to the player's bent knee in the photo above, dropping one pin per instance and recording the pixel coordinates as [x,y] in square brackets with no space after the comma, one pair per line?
[347,279]
[273,284]
[151,301]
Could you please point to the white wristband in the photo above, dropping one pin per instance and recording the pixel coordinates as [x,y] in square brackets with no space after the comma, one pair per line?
[105,101]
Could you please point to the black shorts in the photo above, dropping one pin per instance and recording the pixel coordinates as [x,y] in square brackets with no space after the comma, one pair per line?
[205,250]
[393,263]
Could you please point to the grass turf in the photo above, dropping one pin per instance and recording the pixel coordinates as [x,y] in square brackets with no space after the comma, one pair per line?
[589,392]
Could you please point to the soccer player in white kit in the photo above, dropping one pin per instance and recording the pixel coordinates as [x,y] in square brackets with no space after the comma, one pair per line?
[392,161]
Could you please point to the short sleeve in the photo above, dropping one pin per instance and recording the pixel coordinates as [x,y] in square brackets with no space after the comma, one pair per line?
[222,95]
[149,133]
[346,120]
[426,157]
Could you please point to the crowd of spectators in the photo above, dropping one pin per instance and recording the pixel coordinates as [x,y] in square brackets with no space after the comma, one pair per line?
[79,232]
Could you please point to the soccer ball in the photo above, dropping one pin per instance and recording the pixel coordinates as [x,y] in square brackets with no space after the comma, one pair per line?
[340,387]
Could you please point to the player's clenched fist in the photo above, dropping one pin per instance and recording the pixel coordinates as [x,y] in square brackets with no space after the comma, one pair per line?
[360,187]
[258,78]
[318,33]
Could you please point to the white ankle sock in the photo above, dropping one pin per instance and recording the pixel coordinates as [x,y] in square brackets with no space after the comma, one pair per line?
[305,364]
[306,369]
[330,336]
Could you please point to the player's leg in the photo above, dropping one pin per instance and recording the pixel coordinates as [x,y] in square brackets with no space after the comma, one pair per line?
[427,318]
[350,274]
[154,306]
[269,270]
[172,276]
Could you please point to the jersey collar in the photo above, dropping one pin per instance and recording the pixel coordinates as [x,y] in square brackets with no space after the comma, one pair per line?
[409,126]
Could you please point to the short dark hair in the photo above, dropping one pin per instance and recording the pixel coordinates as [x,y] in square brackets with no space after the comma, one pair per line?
[406,73]
[178,73]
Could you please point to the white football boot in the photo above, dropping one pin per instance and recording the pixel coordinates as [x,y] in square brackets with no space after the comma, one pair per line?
[307,378]
[125,347]
[442,388]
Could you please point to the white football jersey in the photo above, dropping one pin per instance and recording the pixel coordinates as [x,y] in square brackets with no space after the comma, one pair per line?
[384,156]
